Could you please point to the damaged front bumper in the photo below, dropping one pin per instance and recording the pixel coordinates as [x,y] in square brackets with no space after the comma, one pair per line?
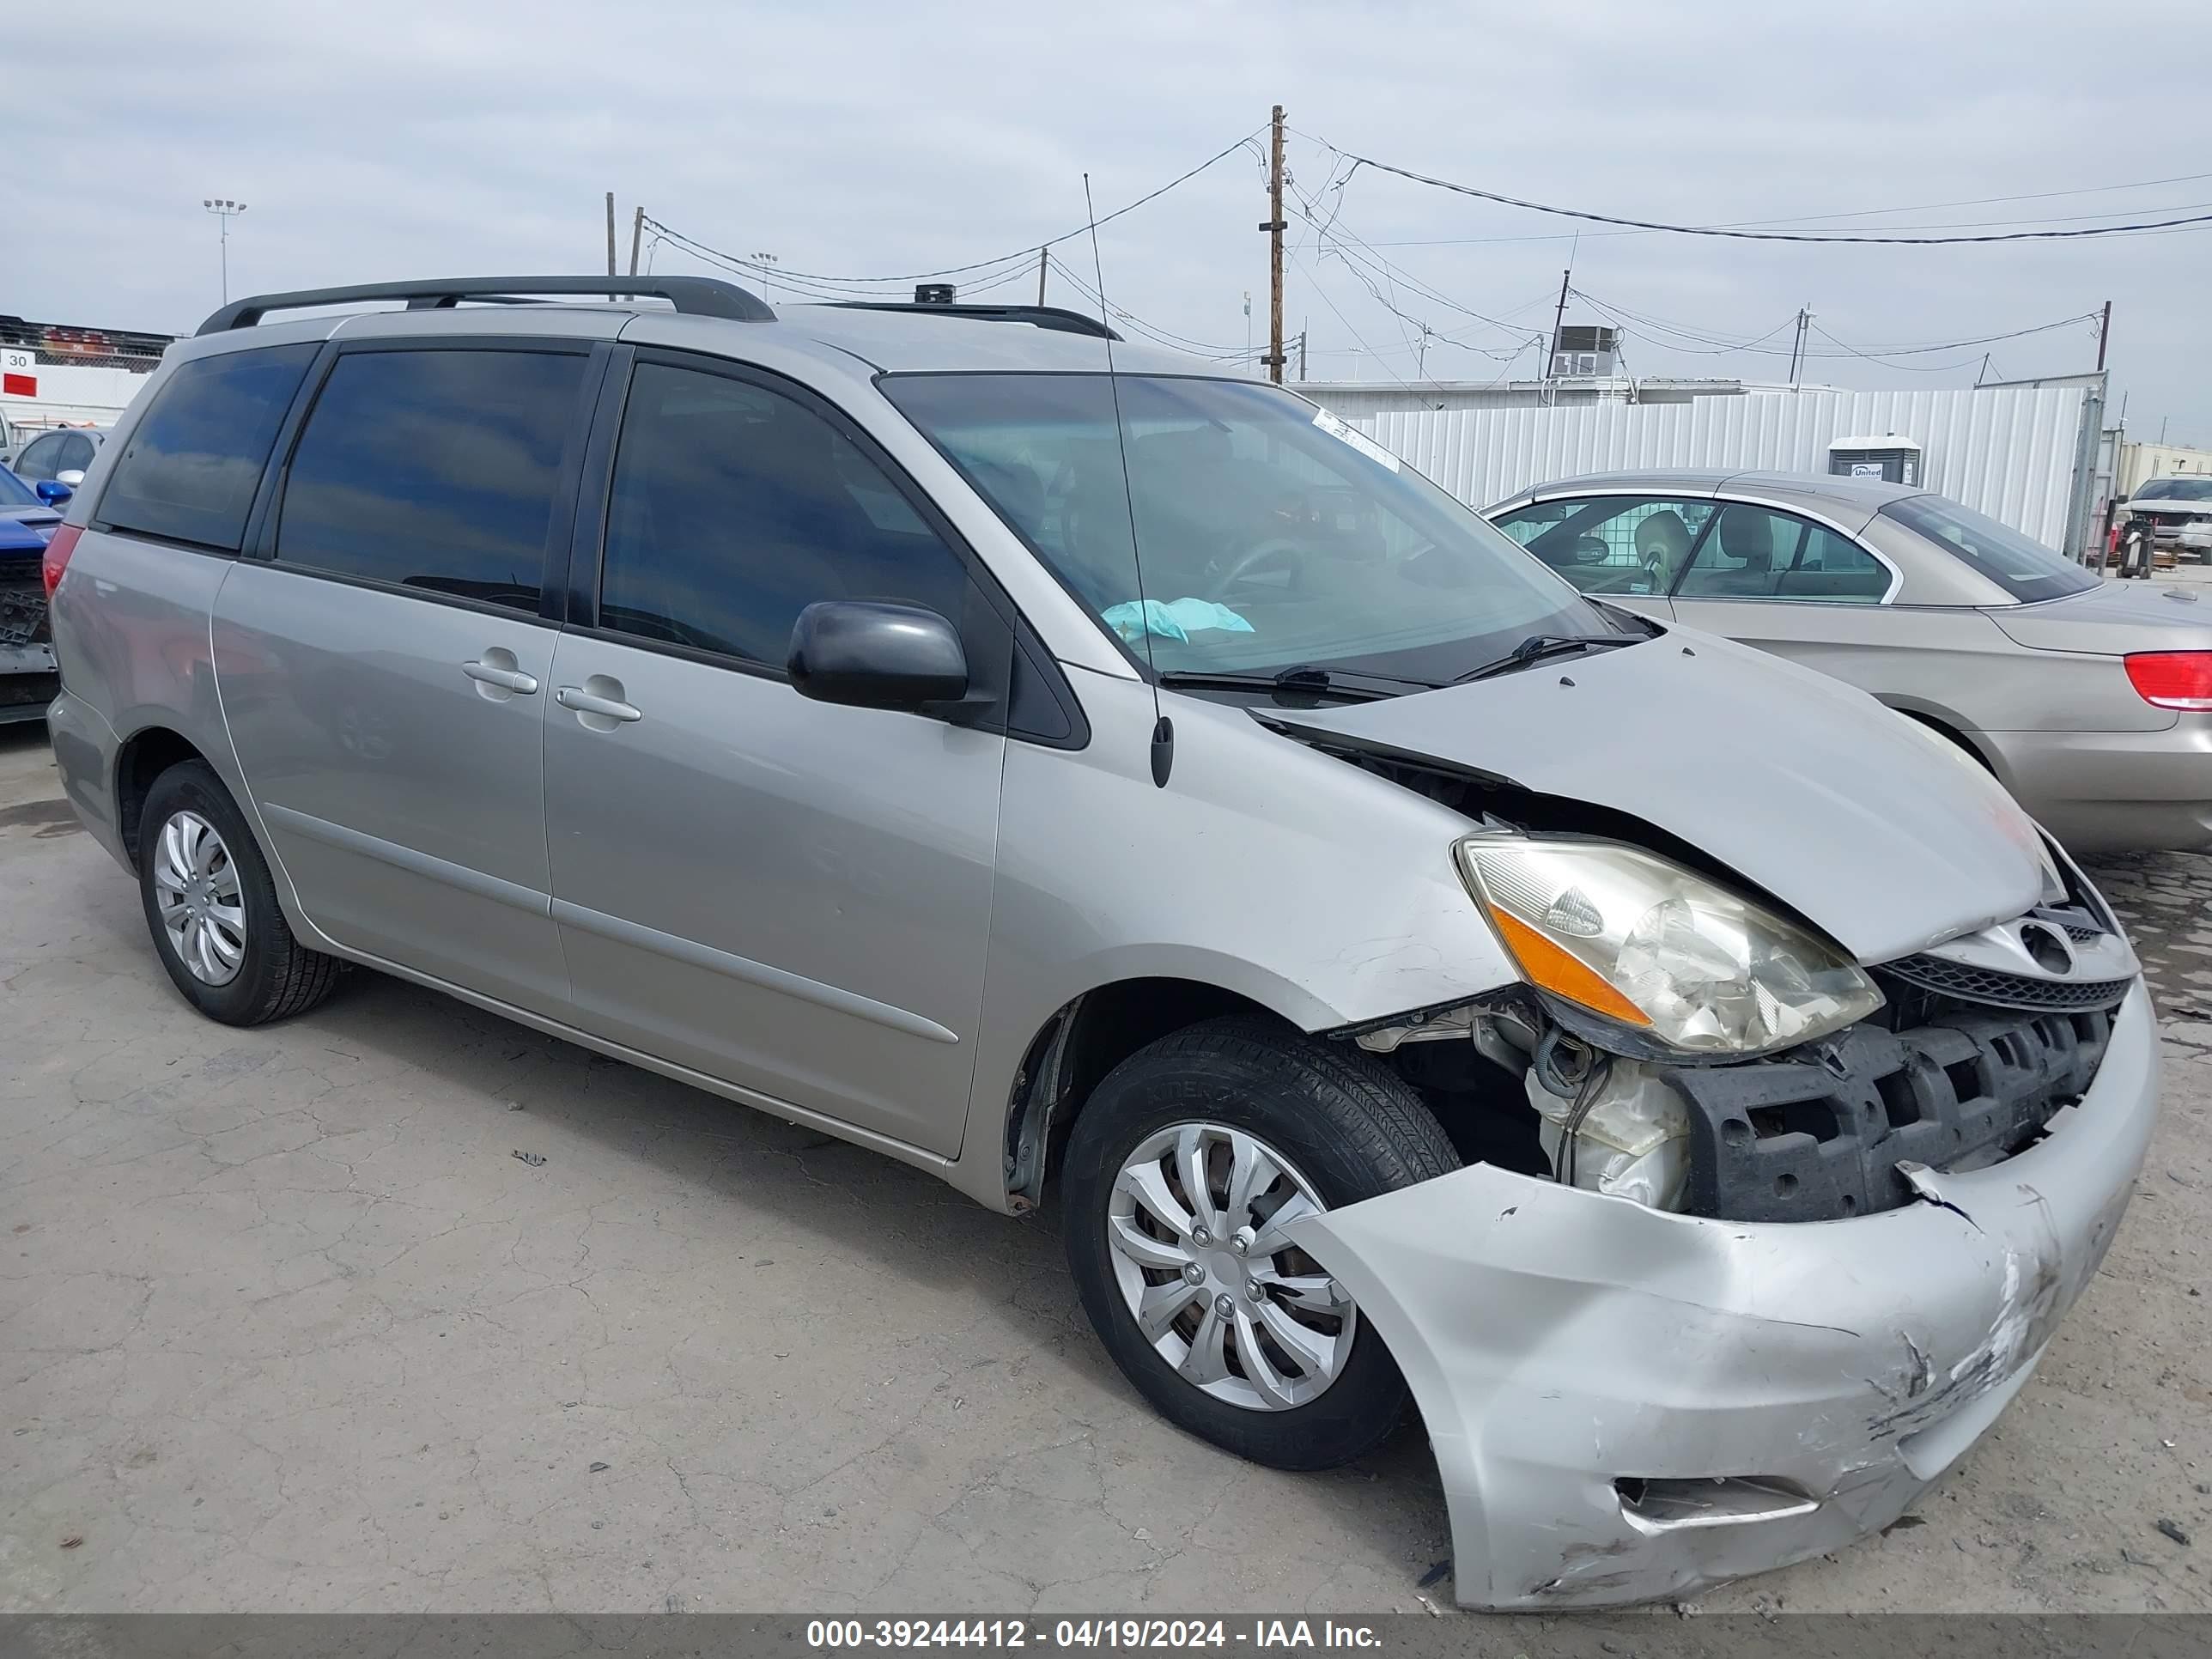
[1627,1404]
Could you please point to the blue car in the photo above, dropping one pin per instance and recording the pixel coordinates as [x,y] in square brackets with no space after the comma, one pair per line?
[29,518]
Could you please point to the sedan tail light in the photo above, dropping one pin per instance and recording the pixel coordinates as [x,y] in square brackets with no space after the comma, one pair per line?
[2170,679]
[55,558]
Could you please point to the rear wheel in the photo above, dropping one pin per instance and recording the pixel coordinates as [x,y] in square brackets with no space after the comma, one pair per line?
[212,906]
[1185,1170]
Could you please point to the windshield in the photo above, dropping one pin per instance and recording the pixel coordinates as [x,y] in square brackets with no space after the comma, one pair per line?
[2024,568]
[2176,490]
[14,492]
[1268,536]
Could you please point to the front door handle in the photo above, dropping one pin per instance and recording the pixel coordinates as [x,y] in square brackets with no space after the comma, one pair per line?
[507,679]
[590,702]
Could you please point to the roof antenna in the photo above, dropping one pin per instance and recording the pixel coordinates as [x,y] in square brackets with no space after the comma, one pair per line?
[1163,727]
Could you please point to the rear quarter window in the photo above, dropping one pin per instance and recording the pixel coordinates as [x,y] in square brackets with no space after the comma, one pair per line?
[2026,570]
[196,459]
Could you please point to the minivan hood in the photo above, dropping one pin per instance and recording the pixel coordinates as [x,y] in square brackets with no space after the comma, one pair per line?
[1865,824]
[2111,619]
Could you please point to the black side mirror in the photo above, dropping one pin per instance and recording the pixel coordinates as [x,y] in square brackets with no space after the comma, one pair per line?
[52,491]
[870,654]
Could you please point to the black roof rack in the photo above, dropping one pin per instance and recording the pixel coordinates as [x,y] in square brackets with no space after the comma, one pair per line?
[694,296]
[1052,317]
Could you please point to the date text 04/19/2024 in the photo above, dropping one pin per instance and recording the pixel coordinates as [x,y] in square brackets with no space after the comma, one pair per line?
[1164,1634]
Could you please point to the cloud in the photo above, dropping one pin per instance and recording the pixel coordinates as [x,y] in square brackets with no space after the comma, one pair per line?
[408,139]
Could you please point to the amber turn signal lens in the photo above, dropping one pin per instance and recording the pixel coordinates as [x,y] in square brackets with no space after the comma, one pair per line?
[1561,972]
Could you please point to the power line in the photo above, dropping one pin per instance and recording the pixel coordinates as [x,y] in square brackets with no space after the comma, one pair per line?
[1631,319]
[1327,232]
[1023,254]
[1402,381]
[804,282]
[1156,334]
[1868,213]
[1885,358]
[1359,161]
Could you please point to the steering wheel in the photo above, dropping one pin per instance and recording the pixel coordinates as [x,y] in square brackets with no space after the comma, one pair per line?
[1274,547]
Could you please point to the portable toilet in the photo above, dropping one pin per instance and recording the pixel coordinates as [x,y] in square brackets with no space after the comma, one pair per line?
[1891,458]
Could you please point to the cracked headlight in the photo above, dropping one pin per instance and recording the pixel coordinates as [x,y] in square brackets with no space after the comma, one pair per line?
[1658,948]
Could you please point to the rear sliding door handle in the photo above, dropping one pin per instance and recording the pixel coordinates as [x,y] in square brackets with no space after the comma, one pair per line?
[590,702]
[493,673]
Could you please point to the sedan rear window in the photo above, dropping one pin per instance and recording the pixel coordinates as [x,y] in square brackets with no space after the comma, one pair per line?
[2024,568]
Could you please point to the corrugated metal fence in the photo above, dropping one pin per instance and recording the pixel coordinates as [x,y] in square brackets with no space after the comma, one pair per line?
[2012,452]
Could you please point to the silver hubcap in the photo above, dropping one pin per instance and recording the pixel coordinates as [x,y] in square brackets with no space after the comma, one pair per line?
[1196,1224]
[195,892]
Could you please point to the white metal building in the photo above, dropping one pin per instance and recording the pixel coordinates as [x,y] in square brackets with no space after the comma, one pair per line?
[2026,454]
[55,375]
[2140,463]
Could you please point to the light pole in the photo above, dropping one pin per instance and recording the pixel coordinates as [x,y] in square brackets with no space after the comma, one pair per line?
[765,259]
[225,210]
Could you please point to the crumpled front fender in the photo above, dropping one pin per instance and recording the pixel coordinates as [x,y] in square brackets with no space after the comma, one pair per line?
[1559,1341]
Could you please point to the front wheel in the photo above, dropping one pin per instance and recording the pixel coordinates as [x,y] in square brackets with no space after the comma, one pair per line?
[1185,1170]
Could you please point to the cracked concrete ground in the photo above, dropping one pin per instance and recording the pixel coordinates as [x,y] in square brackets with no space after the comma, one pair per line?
[284,1325]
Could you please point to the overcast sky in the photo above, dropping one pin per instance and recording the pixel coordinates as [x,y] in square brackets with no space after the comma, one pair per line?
[862,140]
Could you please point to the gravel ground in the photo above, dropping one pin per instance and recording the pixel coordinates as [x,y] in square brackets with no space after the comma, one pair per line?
[285,1324]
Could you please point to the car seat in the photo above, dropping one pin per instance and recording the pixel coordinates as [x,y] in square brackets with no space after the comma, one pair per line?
[1662,540]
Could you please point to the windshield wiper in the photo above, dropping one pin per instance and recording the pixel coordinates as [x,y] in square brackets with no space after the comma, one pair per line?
[1304,680]
[1537,647]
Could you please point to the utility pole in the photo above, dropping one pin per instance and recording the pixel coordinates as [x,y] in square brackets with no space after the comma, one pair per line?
[610,236]
[1041,255]
[1302,354]
[1275,227]
[225,210]
[1797,346]
[2103,328]
[636,235]
[1559,322]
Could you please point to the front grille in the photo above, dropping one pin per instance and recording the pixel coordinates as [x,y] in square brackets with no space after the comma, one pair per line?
[23,610]
[1997,989]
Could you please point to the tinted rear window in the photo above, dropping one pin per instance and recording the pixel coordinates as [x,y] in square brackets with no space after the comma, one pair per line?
[437,469]
[195,461]
[2024,568]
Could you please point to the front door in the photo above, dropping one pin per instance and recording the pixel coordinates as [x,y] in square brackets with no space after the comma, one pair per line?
[1625,549]
[385,675]
[790,896]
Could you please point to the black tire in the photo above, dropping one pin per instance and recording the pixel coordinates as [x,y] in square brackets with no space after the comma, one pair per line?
[1354,1129]
[280,977]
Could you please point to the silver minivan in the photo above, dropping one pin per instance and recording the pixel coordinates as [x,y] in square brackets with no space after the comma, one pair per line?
[1693,1090]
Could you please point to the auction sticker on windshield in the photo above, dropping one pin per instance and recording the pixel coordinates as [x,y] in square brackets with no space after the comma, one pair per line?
[1358,440]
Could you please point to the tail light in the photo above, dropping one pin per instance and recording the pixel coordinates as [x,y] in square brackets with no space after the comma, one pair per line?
[55,558]
[2169,679]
